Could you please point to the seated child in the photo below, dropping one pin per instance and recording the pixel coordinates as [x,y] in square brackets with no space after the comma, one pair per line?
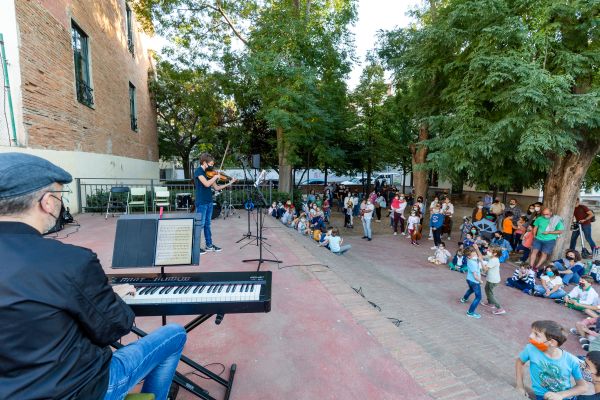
[273,210]
[303,227]
[504,244]
[459,262]
[551,284]
[469,241]
[595,271]
[523,279]
[335,243]
[441,256]
[583,297]
[324,242]
[550,367]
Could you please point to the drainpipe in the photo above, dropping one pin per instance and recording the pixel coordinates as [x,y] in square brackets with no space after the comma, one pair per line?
[7,87]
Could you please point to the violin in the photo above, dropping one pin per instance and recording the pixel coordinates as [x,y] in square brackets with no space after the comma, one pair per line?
[224,177]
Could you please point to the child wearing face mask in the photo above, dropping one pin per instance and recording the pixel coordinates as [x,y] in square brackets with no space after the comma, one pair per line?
[414,227]
[523,279]
[592,366]
[551,285]
[441,256]
[583,297]
[550,367]
[459,262]
[493,279]
[436,221]
[474,281]
[469,240]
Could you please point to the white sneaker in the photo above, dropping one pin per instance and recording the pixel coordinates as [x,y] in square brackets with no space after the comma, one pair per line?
[449,238]
[395,233]
[403,234]
[434,248]
[574,331]
[430,238]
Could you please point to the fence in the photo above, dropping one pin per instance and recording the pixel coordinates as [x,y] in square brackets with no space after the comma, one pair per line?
[93,193]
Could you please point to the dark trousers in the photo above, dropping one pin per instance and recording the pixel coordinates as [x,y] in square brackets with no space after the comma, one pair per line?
[346,218]
[398,219]
[378,213]
[526,252]
[518,284]
[437,236]
[587,232]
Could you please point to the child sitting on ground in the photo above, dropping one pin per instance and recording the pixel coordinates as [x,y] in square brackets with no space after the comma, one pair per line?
[303,227]
[583,297]
[459,262]
[335,243]
[469,241]
[523,279]
[441,256]
[324,242]
[550,367]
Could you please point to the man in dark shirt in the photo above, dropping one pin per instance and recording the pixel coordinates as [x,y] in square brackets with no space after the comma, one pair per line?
[57,311]
[582,215]
[204,202]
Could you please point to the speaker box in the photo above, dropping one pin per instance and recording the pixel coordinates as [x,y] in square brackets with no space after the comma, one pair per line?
[256,161]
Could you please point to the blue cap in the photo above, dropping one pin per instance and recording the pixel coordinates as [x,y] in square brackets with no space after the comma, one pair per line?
[21,174]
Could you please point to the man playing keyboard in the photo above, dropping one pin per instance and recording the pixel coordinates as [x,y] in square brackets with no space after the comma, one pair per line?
[57,311]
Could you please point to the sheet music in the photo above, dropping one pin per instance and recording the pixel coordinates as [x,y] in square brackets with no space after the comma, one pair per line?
[174,242]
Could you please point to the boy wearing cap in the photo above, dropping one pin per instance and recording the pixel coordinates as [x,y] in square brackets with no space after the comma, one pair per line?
[57,311]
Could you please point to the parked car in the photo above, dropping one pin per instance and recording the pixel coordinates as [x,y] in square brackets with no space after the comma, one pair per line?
[316,181]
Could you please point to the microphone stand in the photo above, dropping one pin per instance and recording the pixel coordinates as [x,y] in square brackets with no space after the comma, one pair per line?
[260,221]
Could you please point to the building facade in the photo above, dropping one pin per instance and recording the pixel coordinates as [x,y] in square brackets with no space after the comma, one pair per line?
[76,87]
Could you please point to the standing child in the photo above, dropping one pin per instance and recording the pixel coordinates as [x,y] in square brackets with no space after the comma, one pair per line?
[493,279]
[550,367]
[435,223]
[473,280]
[414,228]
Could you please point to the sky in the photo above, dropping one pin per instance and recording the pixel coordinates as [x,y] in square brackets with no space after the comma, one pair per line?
[375,15]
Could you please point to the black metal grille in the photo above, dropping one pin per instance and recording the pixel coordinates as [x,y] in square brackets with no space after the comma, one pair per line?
[134,124]
[84,93]
[130,45]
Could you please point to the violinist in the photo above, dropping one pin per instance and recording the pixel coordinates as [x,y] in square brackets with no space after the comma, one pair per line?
[204,201]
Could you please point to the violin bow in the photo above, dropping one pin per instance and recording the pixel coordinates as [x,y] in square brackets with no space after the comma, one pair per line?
[224,155]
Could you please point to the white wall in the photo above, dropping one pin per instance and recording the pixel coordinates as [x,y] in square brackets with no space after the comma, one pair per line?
[8,28]
[93,165]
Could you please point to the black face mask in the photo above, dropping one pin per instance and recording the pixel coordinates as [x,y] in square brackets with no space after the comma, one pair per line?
[570,258]
[210,167]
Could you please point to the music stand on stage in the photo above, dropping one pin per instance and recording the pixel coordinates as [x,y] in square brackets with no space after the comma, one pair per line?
[260,216]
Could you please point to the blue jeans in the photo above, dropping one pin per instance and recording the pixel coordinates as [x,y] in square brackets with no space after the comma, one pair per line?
[474,287]
[206,210]
[153,358]
[559,294]
[343,249]
[366,222]
[541,397]
[568,277]
[587,232]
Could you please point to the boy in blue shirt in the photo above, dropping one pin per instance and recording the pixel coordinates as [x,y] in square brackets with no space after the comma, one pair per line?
[550,367]
[436,222]
[474,280]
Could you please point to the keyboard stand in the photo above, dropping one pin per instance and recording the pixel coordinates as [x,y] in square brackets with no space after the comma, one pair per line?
[185,382]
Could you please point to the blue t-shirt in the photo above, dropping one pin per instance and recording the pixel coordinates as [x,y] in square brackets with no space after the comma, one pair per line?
[473,268]
[436,220]
[203,193]
[549,375]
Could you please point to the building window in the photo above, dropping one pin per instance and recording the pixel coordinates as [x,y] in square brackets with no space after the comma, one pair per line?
[132,108]
[128,18]
[81,56]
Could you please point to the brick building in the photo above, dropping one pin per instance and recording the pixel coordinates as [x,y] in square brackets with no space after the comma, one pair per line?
[77,72]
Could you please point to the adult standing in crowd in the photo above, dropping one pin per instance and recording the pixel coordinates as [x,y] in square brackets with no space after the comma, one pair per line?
[448,212]
[367,217]
[204,201]
[584,217]
[497,208]
[513,206]
[545,232]
[57,311]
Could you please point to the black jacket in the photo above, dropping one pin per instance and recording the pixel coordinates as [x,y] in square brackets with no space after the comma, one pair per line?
[57,317]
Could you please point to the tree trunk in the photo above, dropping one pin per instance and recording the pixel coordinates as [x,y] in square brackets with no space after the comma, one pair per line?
[285,169]
[185,160]
[562,186]
[325,178]
[419,158]
[369,174]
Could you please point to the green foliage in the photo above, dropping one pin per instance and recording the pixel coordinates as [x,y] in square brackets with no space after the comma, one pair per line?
[191,111]
[505,85]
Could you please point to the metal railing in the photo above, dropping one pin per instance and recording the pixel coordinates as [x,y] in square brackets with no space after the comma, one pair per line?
[93,192]
[84,93]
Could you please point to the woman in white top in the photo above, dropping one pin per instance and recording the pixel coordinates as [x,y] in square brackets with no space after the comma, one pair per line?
[552,285]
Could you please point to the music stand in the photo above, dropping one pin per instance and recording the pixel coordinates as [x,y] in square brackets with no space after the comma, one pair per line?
[260,206]
[249,234]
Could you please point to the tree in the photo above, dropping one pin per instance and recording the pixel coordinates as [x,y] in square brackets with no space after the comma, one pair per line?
[190,110]
[521,92]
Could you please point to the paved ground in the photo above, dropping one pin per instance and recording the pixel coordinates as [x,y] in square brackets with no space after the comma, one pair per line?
[323,340]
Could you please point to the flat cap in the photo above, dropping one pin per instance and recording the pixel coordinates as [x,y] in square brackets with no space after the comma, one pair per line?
[21,174]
